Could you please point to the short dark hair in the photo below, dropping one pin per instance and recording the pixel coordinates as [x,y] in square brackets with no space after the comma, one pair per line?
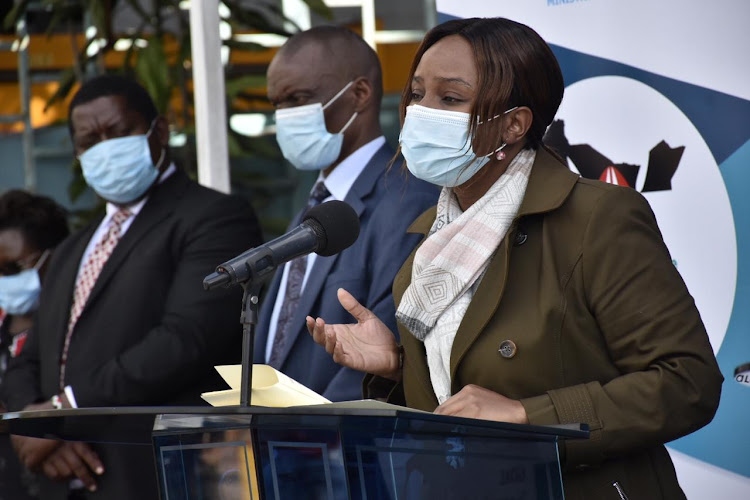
[355,57]
[42,222]
[136,97]
[515,67]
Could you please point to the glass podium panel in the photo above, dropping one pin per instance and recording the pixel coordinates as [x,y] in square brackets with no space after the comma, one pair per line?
[322,452]
[341,456]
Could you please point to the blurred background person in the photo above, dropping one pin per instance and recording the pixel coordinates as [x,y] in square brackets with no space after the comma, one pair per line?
[31,226]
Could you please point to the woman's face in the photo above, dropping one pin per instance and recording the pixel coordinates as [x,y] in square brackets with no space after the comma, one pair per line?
[16,254]
[446,77]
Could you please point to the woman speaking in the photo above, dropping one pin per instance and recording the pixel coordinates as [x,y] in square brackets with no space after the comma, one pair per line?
[536,296]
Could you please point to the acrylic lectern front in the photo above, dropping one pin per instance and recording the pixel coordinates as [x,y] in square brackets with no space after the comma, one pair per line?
[337,451]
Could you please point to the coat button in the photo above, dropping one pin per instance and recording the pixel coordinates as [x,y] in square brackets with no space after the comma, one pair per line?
[507,349]
[521,238]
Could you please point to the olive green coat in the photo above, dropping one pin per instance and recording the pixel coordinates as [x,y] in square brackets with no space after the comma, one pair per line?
[605,331]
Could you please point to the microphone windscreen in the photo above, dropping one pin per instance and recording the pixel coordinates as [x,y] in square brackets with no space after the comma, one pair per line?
[339,223]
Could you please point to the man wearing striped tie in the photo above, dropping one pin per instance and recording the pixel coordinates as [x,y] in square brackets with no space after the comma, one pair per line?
[123,319]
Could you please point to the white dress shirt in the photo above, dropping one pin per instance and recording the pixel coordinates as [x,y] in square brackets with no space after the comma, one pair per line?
[338,182]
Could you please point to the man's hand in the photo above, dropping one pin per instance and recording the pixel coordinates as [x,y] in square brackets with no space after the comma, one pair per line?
[32,451]
[73,459]
[476,402]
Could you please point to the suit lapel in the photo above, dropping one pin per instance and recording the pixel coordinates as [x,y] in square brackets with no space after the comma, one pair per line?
[483,305]
[415,361]
[159,206]
[359,191]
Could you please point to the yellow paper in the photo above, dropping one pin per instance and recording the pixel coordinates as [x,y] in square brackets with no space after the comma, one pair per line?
[270,388]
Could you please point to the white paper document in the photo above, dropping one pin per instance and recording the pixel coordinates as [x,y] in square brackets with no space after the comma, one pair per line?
[270,388]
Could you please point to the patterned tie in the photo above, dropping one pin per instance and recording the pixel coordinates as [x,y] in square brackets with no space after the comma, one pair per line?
[88,276]
[294,281]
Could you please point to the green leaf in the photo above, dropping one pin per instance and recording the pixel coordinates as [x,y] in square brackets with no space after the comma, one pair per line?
[236,86]
[11,19]
[249,46]
[256,18]
[65,84]
[320,8]
[99,12]
[152,71]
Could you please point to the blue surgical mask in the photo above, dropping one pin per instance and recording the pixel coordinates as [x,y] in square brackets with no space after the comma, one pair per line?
[121,170]
[19,293]
[303,138]
[437,148]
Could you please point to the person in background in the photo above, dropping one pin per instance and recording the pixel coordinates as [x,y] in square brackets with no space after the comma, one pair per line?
[326,86]
[31,226]
[560,303]
[123,318]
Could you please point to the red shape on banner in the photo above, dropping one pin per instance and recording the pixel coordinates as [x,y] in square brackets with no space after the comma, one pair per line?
[613,176]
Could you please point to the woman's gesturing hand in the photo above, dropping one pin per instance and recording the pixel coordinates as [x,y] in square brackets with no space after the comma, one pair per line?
[368,345]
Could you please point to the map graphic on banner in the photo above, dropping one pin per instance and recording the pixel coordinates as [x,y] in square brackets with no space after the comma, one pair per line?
[686,148]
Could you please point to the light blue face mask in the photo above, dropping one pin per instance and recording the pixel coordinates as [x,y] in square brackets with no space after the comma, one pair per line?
[19,293]
[437,148]
[120,170]
[303,138]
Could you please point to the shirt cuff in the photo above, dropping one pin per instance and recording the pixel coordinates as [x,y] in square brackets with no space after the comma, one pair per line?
[71,397]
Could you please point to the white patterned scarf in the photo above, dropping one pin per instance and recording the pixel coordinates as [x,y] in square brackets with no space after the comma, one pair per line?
[450,263]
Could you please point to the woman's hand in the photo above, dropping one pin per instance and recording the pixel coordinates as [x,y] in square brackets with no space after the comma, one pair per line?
[368,346]
[476,402]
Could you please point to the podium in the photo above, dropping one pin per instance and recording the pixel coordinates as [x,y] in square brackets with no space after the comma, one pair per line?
[336,451]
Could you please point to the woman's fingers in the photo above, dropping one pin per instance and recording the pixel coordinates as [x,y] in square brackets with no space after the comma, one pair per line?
[317,332]
[348,302]
[331,338]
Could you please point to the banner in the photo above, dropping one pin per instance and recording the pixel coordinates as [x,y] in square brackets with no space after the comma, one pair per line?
[657,98]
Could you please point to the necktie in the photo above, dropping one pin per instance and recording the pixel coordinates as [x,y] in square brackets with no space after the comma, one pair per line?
[293,291]
[88,276]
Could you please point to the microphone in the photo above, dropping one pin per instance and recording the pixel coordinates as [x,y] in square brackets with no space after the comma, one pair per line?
[326,229]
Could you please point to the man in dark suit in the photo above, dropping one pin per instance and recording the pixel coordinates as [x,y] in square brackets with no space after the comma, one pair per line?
[326,86]
[123,318]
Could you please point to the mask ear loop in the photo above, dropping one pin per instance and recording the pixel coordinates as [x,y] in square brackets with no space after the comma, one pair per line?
[41,260]
[349,122]
[333,99]
[163,149]
[161,158]
[499,153]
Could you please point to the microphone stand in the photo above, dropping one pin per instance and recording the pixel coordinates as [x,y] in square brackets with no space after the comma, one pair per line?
[248,318]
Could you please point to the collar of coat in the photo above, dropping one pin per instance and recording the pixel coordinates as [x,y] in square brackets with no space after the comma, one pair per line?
[550,183]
